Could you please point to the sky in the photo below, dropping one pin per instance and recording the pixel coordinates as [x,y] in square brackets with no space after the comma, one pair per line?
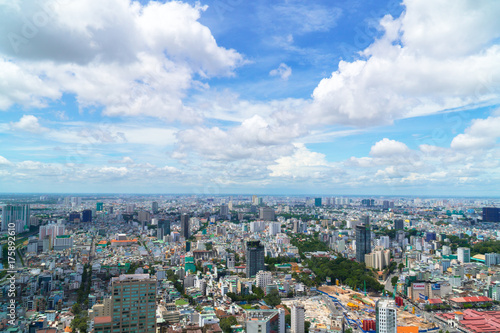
[210,97]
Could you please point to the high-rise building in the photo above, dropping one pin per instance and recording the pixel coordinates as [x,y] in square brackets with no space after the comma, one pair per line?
[463,255]
[17,214]
[263,279]
[165,225]
[317,202]
[87,215]
[491,214]
[99,207]
[385,205]
[274,228]
[230,261]
[363,241]
[491,259]
[386,313]
[430,236]
[298,318]
[185,226]
[133,303]
[255,258]
[266,214]
[154,207]
[399,224]
[224,210]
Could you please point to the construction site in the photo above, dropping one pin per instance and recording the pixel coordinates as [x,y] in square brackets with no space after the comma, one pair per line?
[361,307]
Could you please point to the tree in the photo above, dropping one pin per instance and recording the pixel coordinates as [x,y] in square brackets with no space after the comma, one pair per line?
[226,323]
[307,325]
[273,298]
[401,266]
[394,280]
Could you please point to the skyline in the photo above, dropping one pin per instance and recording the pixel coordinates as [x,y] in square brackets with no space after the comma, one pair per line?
[227,97]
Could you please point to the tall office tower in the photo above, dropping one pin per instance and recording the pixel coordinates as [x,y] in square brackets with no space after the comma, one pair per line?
[159,234]
[386,315]
[298,318]
[134,303]
[385,204]
[255,200]
[230,261]
[76,201]
[144,216]
[110,210]
[154,207]
[86,215]
[165,225]
[317,202]
[99,207]
[17,214]
[463,255]
[266,213]
[363,241]
[185,226]
[224,210]
[130,208]
[399,224]
[255,258]
[491,214]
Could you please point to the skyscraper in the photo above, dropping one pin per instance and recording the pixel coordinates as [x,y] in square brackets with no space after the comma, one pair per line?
[255,258]
[185,226]
[224,210]
[266,214]
[386,315]
[154,207]
[87,215]
[363,241]
[491,214]
[298,318]
[317,202]
[134,303]
[399,224]
[99,207]
[17,214]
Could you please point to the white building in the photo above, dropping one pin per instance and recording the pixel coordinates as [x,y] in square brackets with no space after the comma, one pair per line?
[463,254]
[274,228]
[298,318]
[263,279]
[386,316]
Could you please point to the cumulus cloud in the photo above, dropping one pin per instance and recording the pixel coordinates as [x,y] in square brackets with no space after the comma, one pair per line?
[425,62]
[129,58]
[483,133]
[4,161]
[283,71]
[386,147]
[28,123]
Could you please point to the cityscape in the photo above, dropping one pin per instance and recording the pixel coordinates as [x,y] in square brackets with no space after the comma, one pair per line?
[266,166]
[249,263]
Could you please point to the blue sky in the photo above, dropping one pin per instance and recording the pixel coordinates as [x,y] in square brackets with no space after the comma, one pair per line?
[232,96]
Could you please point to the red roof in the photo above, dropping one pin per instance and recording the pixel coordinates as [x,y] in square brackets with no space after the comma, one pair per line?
[435,301]
[477,321]
[471,299]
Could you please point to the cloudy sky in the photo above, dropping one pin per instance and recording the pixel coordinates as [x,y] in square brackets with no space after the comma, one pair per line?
[231,96]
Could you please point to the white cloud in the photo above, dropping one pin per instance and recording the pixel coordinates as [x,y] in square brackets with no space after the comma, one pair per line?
[302,164]
[428,60]
[483,133]
[387,148]
[4,161]
[131,59]
[28,123]
[283,71]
